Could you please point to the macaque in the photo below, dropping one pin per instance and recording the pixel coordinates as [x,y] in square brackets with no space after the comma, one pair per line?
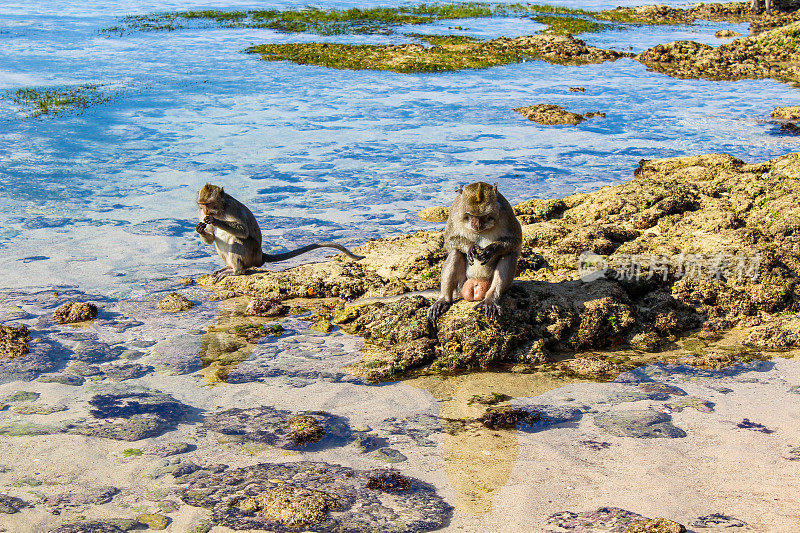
[483,239]
[231,227]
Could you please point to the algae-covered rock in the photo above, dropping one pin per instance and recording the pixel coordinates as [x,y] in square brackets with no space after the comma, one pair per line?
[322,326]
[21,396]
[267,307]
[656,525]
[314,496]
[14,341]
[154,520]
[281,428]
[639,423]
[435,214]
[169,449]
[38,409]
[131,416]
[528,417]
[786,113]
[175,303]
[553,115]
[779,334]
[72,312]
[772,54]
[727,34]
[89,527]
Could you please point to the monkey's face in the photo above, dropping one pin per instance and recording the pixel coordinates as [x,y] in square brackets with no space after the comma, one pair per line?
[479,223]
[209,208]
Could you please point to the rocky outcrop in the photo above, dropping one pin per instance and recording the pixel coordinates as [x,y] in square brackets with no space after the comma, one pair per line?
[553,115]
[75,312]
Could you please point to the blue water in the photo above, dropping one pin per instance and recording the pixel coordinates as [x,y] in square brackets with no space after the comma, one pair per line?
[104,199]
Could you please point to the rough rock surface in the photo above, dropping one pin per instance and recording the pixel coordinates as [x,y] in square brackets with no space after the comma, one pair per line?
[550,115]
[612,520]
[75,312]
[727,34]
[175,303]
[639,423]
[130,416]
[772,54]
[11,505]
[14,341]
[281,428]
[314,496]
[786,113]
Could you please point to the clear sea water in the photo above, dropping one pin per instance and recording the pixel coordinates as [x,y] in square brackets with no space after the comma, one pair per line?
[103,200]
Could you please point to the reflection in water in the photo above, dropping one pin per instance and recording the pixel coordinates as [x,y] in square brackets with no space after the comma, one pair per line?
[478,461]
[232,339]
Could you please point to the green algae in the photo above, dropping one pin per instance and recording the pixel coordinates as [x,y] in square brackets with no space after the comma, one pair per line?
[57,101]
[566,25]
[131,452]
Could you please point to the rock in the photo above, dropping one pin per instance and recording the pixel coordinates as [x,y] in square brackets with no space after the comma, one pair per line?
[435,214]
[657,386]
[72,312]
[793,454]
[21,396]
[125,371]
[718,521]
[323,326]
[591,366]
[14,341]
[786,113]
[169,449]
[186,281]
[154,520]
[267,307]
[281,428]
[11,505]
[656,525]
[778,334]
[315,496]
[577,89]
[388,455]
[81,498]
[528,417]
[603,519]
[177,355]
[489,399]
[174,303]
[62,379]
[130,416]
[727,34]
[639,423]
[550,115]
[704,406]
[38,409]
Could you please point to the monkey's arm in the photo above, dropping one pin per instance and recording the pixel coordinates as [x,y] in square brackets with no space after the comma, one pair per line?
[205,235]
[236,229]
[504,274]
[454,274]
[499,248]
[458,242]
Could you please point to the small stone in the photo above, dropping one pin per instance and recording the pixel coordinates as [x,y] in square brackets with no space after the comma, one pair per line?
[175,303]
[72,312]
[489,399]
[154,520]
[577,89]
[727,34]
[304,429]
[389,482]
[267,307]
[388,455]
[550,115]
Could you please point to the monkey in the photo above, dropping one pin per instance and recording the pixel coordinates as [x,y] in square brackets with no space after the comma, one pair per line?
[483,239]
[755,6]
[231,227]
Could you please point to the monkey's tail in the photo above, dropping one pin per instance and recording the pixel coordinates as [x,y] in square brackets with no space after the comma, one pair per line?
[269,258]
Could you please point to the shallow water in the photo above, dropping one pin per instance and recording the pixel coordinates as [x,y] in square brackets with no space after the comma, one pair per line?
[102,201]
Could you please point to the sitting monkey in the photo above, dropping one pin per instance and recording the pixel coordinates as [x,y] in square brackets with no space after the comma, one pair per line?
[234,231]
[483,239]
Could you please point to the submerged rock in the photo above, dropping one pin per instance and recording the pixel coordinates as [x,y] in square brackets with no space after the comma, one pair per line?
[131,416]
[72,312]
[315,496]
[175,303]
[612,520]
[169,449]
[11,505]
[639,423]
[727,34]
[281,428]
[656,525]
[528,417]
[177,355]
[553,115]
[267,307]
[89,527]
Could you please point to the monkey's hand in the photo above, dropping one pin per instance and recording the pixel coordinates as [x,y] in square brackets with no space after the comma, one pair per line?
[437,310]
[208,220]
[473,253]
[200,228]
[491,310]
[485,254]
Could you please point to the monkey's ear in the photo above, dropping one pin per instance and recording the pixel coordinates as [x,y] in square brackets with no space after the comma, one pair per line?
[459,189]
[495,187]
[222,190]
